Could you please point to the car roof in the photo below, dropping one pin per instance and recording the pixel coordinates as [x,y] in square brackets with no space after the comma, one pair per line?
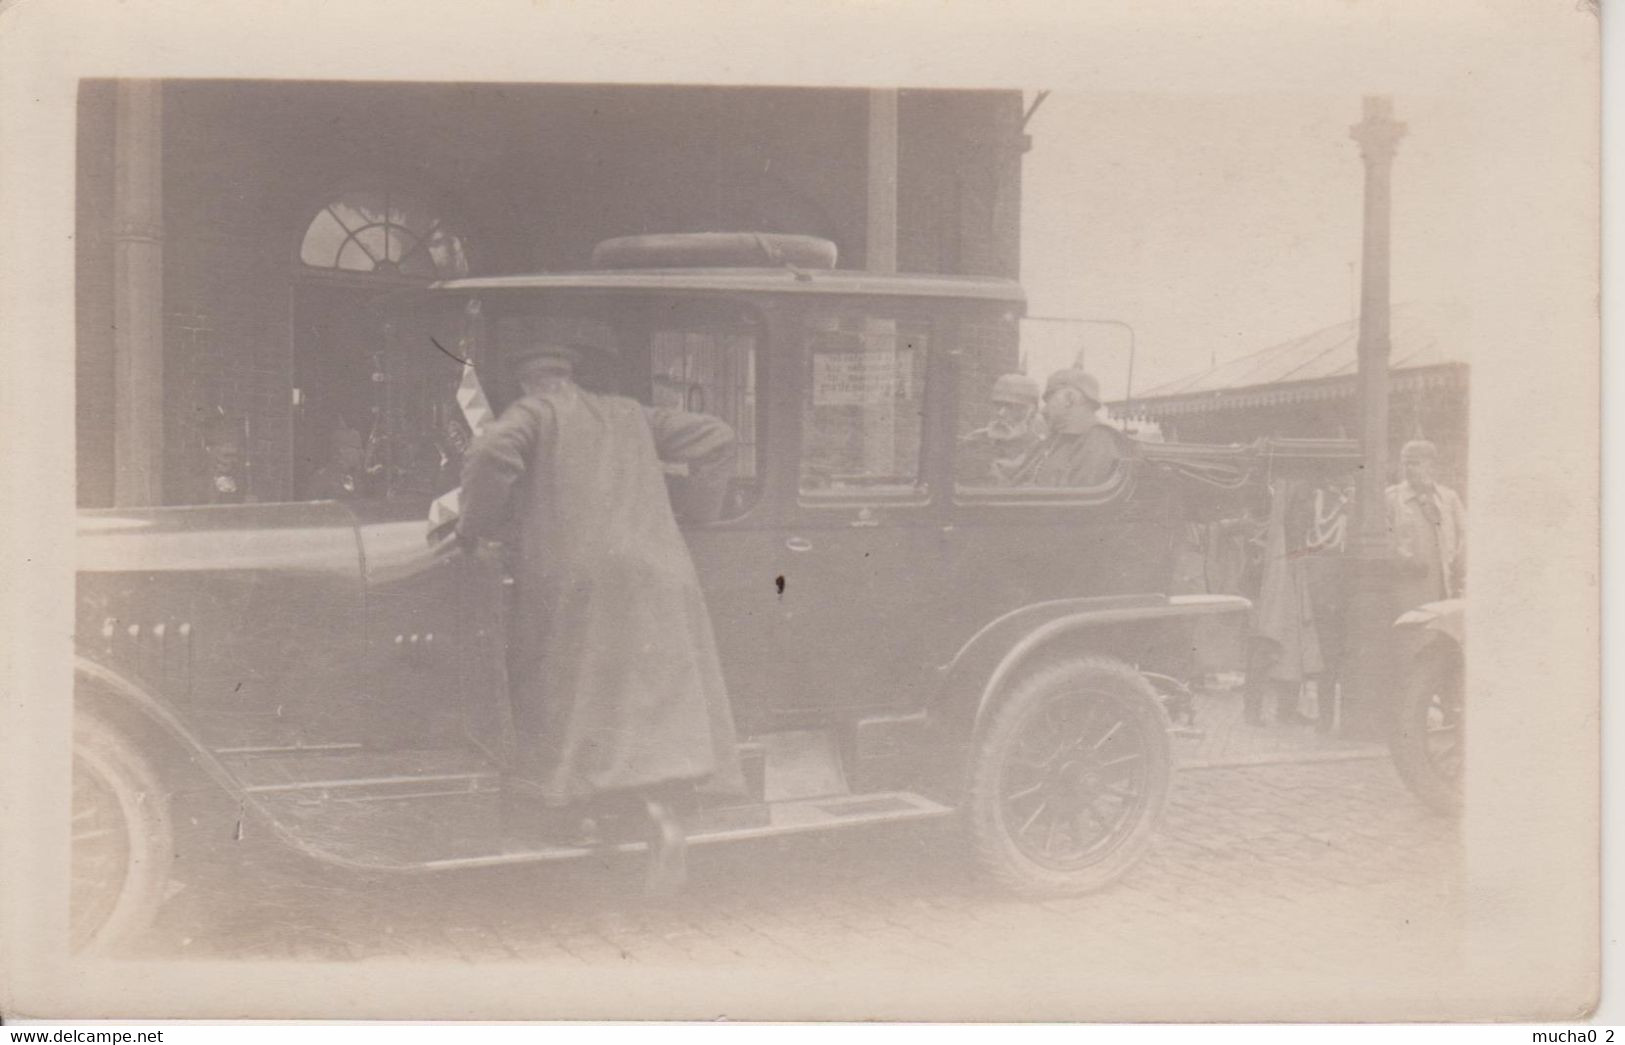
[752,280]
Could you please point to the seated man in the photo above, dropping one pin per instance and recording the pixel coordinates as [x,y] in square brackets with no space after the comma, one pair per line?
[340,478]
[227,479]
[1080,450]
[991,453]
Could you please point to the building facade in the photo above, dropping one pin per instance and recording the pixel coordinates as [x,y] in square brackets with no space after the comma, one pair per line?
[234,237]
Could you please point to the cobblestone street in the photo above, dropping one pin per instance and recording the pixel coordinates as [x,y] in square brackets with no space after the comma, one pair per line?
[1302,866]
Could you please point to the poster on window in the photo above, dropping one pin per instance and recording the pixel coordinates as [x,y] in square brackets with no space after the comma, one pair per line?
[862,378]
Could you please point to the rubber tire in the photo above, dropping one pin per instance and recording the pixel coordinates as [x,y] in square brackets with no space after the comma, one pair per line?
[996,854]
[143,810]
[1435,671]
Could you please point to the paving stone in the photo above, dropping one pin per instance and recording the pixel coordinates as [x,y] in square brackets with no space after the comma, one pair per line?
[1285,866]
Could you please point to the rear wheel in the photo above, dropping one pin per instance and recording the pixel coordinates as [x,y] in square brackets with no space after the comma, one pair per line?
[1070,780]
[122,841]
[1427,742]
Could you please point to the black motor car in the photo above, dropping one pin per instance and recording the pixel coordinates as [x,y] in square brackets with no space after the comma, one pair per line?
[898,643]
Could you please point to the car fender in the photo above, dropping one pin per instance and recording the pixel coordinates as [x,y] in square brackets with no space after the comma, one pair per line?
[1448,618]
[1001,649]
[1432,630]
[124,704]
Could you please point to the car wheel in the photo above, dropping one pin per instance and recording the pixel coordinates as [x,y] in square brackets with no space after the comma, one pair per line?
[1070,779]
[1427,742]
[122,841]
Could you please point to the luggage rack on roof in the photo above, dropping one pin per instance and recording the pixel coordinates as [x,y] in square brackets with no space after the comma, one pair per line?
[715,250]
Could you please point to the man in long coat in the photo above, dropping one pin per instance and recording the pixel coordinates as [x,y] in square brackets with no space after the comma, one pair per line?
[614,676]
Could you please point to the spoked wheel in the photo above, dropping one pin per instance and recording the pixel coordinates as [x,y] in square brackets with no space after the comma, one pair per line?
[1070,779]
[121,841]
[1428,741]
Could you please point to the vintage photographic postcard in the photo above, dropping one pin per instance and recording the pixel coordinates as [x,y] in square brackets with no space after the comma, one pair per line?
[801,512]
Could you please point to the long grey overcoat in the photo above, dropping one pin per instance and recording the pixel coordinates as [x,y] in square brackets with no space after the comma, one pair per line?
[613,667]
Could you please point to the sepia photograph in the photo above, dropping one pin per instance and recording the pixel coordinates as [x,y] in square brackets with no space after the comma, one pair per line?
[858,538]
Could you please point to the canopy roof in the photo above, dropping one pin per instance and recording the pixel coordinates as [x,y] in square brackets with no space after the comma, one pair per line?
[1429,350]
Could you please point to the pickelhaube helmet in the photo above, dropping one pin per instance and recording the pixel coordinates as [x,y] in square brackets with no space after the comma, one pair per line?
[1073,378]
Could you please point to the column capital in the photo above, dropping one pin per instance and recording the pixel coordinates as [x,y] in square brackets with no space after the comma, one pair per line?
[1378,133]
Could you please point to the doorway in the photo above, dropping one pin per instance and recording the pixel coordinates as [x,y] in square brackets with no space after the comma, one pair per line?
[338,372]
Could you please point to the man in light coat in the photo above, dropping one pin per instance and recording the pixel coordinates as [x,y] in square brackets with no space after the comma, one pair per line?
[1427,527]
[617,690]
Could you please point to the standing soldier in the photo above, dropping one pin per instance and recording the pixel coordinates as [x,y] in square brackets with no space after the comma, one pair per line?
[991,453]
[616,685]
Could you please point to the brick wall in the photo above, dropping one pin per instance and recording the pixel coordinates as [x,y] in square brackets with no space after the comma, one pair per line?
[959,182]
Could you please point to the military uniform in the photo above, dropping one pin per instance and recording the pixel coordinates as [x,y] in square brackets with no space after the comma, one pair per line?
[1079,451]
[985,457]
[1072,458]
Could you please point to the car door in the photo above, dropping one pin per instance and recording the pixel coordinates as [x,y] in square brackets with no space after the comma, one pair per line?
[1009,546]
[822,592]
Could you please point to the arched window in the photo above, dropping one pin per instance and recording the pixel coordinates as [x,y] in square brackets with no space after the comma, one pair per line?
[383,233]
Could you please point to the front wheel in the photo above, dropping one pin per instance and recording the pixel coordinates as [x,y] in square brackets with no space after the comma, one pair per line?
[122,840]
[1428,731]
[1070,779]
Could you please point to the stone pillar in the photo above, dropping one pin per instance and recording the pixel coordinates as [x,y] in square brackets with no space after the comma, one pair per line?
[880,248]
[880,255]
[1369,678]
[138,294]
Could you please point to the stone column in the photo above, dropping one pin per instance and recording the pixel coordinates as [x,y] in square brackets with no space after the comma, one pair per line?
[138,294]
[880,255]
[880,248]
[1378,135]
[1368,678]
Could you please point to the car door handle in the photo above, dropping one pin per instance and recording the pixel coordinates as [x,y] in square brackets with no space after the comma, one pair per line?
[798,544]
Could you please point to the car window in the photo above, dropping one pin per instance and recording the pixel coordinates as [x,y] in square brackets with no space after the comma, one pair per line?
[701,355]
[998,405]
[863,404]
[710,371]
[1009,445]
[415,445]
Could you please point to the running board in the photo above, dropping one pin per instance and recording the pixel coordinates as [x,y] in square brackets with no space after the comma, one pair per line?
[315,775]
[783,818]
